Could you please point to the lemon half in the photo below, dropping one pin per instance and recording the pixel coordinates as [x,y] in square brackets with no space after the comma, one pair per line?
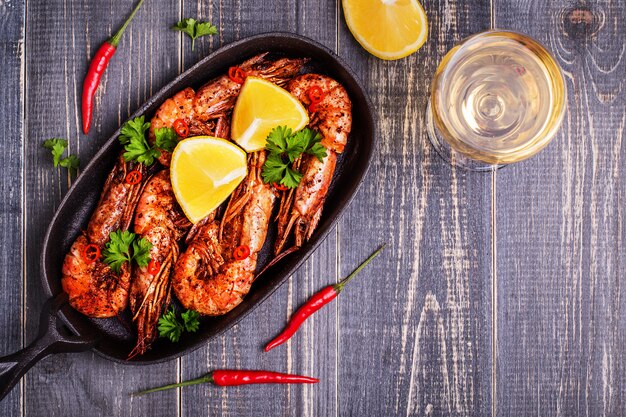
[388,29]
[204,171]
[260,107]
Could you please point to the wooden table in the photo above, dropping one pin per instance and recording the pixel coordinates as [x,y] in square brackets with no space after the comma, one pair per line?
[500,294]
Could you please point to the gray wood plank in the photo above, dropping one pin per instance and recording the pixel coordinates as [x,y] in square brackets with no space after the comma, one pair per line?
[421,342]
[62,36]
[11,201]
[560,228]
[415,330]
[313,350]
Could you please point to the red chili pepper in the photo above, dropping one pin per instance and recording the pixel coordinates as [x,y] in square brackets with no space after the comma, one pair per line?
[241,252]
[231,377]
[97,67]
[236,75]
[313,107]
[154,267]
[228,377]
[279,187]
[181,128]
[317,301]
[91,253]
[315,94]
[133,177]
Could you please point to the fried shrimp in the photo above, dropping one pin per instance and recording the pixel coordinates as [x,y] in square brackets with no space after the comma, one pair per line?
[93,287]
[161,222]
[301,208]
[211,277]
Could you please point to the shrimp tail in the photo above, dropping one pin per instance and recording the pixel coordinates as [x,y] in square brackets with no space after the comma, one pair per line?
[151,308]
[160,221]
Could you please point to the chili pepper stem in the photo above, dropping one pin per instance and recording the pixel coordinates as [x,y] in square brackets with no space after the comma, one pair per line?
[341,284]
[115,39]
[208,378]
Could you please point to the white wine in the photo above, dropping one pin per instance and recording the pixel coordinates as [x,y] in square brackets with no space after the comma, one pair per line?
[497,98]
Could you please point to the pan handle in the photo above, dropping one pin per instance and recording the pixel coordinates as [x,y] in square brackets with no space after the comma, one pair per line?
[51,339]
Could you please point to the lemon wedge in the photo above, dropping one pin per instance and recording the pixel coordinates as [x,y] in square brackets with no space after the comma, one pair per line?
[388,29]
[204,171]
[260,107]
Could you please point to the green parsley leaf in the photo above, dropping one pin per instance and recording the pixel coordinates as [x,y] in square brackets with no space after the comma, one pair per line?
[169,325]
[284,147]
[187,26]
[318,150]
[71,163]
[204,29]
[195,29]
[276,142]
[137,151]
[57,147]
[166,138]
[191,320]
[133,137]
[141,251]
[274,169]
[134,130]
[292,178]
[311,142]
[117,249]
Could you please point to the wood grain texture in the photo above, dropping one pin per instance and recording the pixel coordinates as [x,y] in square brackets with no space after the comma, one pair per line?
[314,350]
[415,332]
[413,335]
[560,230]
[61,38]
[11,202]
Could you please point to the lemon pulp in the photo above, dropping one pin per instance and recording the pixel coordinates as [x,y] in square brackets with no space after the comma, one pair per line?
[388,29]
[204,171]
[260,107]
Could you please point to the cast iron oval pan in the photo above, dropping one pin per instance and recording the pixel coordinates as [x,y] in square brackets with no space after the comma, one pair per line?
[114,338]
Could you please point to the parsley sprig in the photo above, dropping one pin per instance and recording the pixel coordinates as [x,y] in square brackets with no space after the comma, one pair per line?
[57,146]
[284,147]
[166,138]
[133,137]
[171,327]
[125,246]
[71,162]
[195,29]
